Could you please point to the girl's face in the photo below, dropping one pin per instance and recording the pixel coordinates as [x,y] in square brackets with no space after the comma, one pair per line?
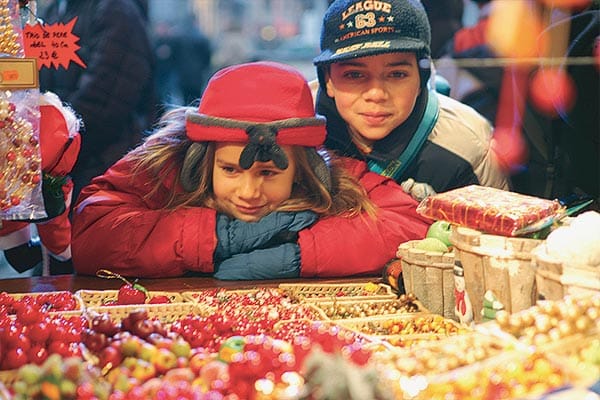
[375,94]
[249,194]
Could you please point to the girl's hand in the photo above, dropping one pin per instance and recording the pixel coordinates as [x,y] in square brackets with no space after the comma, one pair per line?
[237,237]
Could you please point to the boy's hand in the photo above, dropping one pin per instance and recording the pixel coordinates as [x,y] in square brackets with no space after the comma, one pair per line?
[417,190]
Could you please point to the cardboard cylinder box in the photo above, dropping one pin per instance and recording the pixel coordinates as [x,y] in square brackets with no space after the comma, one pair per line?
[499,264]
[429,276]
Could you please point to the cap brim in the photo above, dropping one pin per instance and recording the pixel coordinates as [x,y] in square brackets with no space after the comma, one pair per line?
[370,49]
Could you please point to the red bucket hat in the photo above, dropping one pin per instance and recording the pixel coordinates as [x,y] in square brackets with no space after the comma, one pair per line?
[265,104]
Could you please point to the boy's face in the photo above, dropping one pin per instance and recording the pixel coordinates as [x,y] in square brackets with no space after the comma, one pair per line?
[249,194]
[375,94]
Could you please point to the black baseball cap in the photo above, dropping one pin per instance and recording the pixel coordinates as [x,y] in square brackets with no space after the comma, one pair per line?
[359,28]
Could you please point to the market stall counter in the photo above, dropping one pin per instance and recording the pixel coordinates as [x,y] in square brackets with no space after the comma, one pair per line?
[80,337]
[77,282]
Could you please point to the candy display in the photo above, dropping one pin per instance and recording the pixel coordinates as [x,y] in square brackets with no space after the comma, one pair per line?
[264,343]
[427,271]
[487,209]
[11,43]
[568,261]
[20,154]
[20,157]
[494,266]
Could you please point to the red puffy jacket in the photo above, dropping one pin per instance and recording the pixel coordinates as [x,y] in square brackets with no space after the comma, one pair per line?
[115,226]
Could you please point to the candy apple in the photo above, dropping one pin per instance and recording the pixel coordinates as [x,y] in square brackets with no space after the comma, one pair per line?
[110,355]
[37,354]
[231,346]
[72,335]
[24,342]
[181,347]
[155,337]
[31,374]
[143,370]
[431,244]
[39,332]
[164,360]
[9,335]
[59,347]
[122,335]
[74,350]
[14,358]
[214,371]
[29,314]
[179,375]
[131,293]
[440,230]
[159,299]
[120,378]
[94,341]
[72,369]
[58,330]
[142,328]
[103,323]
[160,342]
[130,361]
[183,362]
[198,358]
[130,346]
[160,328]
[147,351]
[137,314]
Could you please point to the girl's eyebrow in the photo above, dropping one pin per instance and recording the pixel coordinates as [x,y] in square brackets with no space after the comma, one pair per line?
[225,162]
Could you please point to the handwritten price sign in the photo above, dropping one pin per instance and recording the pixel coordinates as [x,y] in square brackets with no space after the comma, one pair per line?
[53,45]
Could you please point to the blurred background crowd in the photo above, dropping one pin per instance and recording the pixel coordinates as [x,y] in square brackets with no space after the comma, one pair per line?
[187,40]
[194,36]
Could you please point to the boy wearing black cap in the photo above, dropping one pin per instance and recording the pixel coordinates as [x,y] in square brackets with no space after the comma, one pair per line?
[373,72]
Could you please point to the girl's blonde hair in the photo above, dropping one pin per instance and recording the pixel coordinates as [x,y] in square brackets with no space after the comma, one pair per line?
[162,154]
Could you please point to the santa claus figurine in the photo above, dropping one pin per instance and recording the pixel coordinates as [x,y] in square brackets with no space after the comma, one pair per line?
[59,144]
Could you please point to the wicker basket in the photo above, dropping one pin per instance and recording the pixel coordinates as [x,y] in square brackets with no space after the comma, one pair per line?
[432,357]
[499,264]
[8,378]
[505,369]
[166,313]
[215,297]
[334,291]
[430,276]
[411,328]
[555,280]
[77,311]
[348,309]
[571,348]
[95,298]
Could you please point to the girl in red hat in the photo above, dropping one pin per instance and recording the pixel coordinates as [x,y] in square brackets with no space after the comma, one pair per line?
[240,188]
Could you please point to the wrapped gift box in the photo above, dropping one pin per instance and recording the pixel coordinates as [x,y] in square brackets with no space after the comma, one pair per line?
[487,209]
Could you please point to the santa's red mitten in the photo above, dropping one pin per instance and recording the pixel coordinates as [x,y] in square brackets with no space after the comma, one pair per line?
[60,143]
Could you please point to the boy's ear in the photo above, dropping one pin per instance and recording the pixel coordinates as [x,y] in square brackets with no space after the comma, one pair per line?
[328,85]
[190,171]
